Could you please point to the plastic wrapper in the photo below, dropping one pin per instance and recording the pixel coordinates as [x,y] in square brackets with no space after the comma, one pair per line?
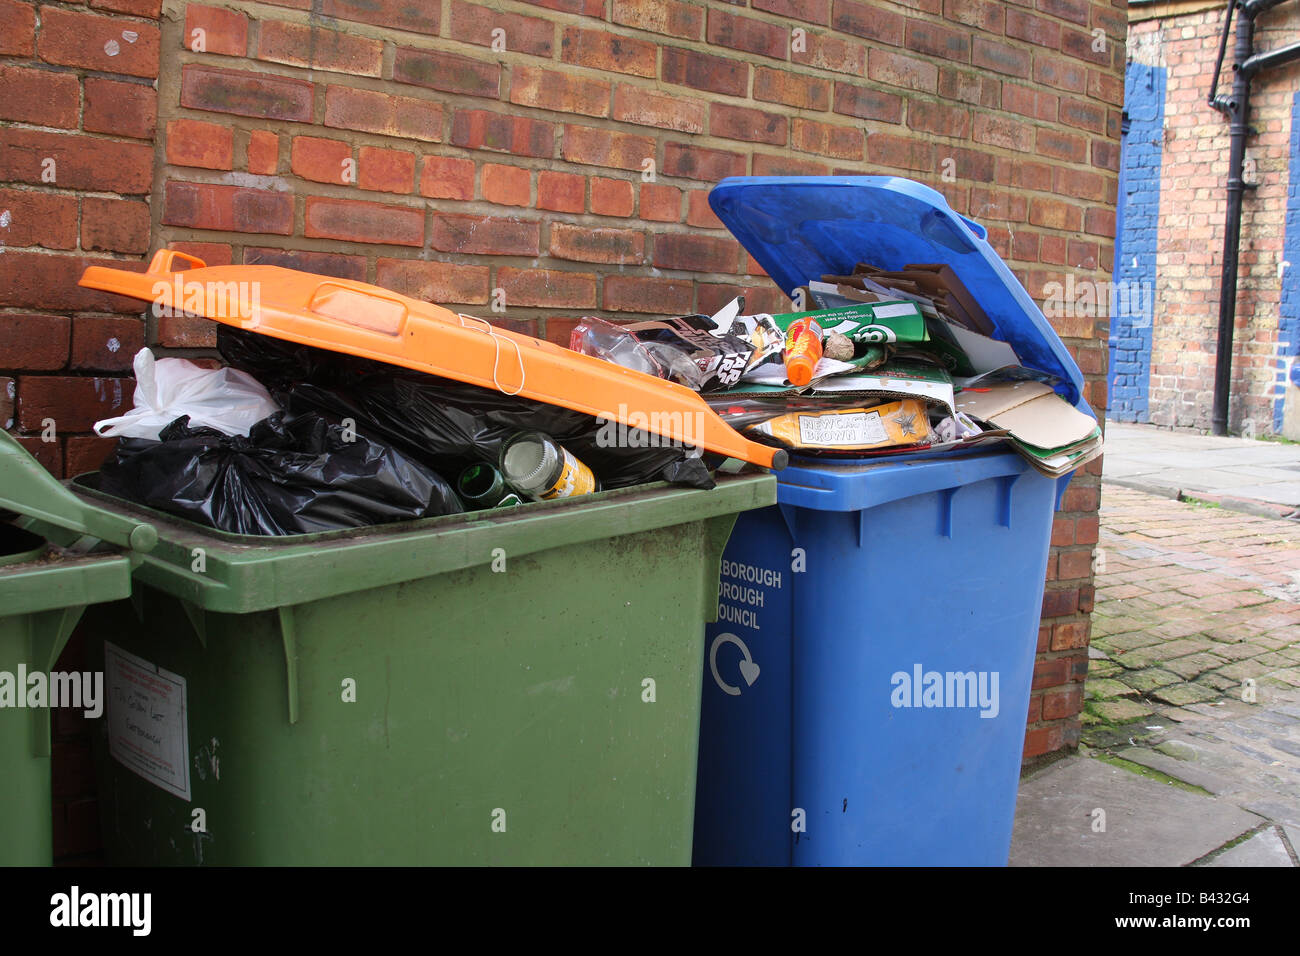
[226,399]
[958,427]
[293,474]
[687,350]
[449,425]
[763,335]
[614,343]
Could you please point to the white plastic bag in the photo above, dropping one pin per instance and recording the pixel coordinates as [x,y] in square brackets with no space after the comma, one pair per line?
[226,399]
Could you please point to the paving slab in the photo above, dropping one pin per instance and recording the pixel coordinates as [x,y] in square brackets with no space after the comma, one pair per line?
[1292,834]
[1104,688]
[1180,695]
[1139,436]
[1190,459]
[1103,669]
[1178,760]
[1245,472]
[1214,479]
[1147,823]
[1283,813]
[1119,711]
[1147,680]
[1193,665]
[1272,472]
[1263,849]
[1283,491]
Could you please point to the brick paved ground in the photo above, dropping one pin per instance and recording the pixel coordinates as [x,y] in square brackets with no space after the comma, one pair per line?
[1193,604]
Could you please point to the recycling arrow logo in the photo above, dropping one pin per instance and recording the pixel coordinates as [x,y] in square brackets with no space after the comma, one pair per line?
[748,669]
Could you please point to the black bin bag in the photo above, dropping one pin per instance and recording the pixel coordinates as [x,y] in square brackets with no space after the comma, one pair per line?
[447,425]
[293,474]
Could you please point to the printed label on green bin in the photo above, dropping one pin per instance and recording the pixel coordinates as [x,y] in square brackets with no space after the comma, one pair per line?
[147,731]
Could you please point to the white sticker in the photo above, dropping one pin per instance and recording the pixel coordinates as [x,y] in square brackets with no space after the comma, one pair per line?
[894,310]
[854,428]
[147,720]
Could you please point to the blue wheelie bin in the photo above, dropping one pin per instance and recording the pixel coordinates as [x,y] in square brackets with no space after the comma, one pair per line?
[867,681]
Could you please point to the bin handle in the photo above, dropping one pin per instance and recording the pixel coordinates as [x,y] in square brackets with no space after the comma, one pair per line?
[164,259]
[27,488]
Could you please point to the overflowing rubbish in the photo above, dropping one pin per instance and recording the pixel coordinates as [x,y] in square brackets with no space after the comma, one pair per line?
[354,442]
[872,348]
[328,416]
[449,412]
[450,426]
[293,474]
[894,474]
[884,362]
[366,321]
[908,349]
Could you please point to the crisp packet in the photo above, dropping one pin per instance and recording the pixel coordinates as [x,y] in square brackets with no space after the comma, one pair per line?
[846,429]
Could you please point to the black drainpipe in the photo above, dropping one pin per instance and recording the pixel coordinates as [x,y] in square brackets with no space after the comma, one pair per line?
[1246,63]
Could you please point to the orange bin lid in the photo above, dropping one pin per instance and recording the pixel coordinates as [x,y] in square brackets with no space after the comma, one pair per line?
[364,320]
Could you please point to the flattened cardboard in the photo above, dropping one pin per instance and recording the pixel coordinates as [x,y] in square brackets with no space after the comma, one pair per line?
[1046,423]
[1031,411]
[987,402]
[1057,462]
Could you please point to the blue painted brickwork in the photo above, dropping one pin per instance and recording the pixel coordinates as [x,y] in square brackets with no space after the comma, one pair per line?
[1289,320]
[1135,252]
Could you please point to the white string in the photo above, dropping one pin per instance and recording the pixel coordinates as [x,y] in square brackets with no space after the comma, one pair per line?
[496,360]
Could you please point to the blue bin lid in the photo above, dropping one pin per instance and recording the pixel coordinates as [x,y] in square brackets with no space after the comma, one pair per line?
[800,228]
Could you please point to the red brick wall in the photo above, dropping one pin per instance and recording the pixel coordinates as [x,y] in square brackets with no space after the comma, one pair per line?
[1193,201]
[76,171]
[558,167]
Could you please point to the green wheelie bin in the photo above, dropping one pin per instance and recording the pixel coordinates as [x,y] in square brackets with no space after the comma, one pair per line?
[515,686]
[44,589]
